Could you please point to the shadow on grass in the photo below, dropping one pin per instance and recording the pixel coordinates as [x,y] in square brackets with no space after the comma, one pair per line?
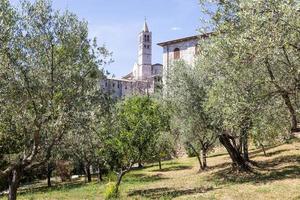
[274,171]
[173,168]
[133,178]
[258,151]
[57,187]
[217,155]
[219,166]
[166,192]
[269,154]
[254,152]
[277,161]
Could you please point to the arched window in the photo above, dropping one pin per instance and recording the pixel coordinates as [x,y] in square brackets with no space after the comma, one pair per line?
[176,53]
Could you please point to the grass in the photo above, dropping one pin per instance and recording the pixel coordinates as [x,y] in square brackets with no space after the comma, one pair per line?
[275,176]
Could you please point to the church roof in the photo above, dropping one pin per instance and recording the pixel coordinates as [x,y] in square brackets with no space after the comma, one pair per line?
[128,76]
[145,29]
[195,37]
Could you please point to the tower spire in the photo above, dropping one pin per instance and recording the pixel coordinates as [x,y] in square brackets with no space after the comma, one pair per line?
[145,29]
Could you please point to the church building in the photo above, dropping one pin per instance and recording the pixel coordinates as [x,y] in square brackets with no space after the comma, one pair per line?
[184,49]
[145,77]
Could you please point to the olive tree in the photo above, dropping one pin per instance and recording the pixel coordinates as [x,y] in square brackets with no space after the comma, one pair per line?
[45,58]
[188,95]
[252,62]
[260,38]
[139,120]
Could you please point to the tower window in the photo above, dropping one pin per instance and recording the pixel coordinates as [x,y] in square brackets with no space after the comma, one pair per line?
[176,53]
[146,38]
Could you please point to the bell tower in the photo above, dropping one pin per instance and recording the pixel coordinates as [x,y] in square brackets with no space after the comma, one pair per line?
[144,53]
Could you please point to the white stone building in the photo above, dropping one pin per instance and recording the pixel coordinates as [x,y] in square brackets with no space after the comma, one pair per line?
[145,77]
[184,49]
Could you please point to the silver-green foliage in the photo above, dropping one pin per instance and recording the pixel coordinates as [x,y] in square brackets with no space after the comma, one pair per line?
[49,72]
[252,60]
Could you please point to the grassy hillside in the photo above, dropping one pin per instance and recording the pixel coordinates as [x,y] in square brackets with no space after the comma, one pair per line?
[276,176]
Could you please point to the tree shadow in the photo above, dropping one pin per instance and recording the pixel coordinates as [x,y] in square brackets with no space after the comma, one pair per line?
[171,163]
[133,178]
[173,168]
[269,154]
[217,155]
[166,192]
[260,151]
[277,161]
[274,171]
[219,166]
[57,187]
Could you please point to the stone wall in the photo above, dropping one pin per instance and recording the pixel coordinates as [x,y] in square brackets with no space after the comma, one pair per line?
[187,54]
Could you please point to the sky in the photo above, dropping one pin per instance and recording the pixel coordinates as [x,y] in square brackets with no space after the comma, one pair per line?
[117,23]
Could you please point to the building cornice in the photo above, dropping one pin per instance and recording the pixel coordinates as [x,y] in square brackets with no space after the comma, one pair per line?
[195,37]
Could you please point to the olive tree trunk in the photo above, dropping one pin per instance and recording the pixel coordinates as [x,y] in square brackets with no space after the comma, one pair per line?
[120,176]
[245,147]
[238,162]
[287,100]
[50,168]
[159,164]
[198,157]
[294,120]
[263,148]
[100,173]
[204,155]
[13,182]
[88,173]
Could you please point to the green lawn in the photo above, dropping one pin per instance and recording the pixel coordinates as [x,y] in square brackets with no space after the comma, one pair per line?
[276,176]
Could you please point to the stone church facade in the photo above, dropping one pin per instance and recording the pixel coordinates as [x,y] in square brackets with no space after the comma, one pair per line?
[147,78]
[184,49]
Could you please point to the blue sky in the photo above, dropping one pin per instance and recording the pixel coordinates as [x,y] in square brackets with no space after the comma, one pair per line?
[116,23]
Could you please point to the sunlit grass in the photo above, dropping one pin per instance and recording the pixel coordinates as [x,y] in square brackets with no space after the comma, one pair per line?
[274,177]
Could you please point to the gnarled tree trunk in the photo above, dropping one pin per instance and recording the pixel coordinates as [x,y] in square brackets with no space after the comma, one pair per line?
[13,182]
[245,147]
[120,176]
[294,121]
[238,162]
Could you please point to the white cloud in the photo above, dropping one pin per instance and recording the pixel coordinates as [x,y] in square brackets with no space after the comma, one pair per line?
[175,28]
